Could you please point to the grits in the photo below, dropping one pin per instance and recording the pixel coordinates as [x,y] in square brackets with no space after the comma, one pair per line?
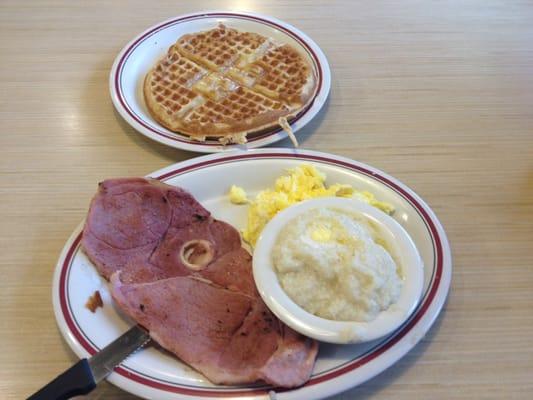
[334,264]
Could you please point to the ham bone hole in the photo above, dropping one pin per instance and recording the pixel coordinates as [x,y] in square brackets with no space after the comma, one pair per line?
[197,254]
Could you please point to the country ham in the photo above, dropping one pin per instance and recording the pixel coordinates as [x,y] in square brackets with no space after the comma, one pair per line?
[129,217]
[230,337]
[211,238]
[185,277]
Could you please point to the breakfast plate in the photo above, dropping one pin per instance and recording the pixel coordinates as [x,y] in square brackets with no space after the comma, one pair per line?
[139,56]
[152,373]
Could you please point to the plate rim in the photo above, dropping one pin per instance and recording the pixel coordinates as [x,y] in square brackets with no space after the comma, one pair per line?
[262,139]
[347,376]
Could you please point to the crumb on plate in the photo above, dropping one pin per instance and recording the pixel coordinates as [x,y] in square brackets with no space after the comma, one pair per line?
[94,302]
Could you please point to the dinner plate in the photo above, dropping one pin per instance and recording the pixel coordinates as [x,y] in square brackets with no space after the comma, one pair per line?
[138,57]
[152,373]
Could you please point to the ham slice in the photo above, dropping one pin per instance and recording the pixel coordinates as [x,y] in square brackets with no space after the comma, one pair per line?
[185,277]
[128,218]
[231,271]
[230,337]
[220,236]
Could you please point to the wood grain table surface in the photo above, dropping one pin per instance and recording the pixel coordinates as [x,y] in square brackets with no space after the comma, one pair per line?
[437,93]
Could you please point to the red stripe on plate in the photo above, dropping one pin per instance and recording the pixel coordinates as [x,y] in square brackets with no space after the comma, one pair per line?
[63,298]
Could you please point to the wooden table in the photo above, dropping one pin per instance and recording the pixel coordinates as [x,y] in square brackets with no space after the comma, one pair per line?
[438,94]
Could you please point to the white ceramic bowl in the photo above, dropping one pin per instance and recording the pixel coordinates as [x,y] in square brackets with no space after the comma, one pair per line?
[387,321]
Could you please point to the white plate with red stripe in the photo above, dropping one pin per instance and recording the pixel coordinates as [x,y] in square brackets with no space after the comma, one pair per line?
[152,373]
[138,57]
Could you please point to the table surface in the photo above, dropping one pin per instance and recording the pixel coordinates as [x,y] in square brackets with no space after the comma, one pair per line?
[438,94]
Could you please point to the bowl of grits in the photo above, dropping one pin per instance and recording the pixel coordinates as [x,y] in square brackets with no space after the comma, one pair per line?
[338,270]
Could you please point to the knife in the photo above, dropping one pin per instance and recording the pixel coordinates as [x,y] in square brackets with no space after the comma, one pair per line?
[83,376]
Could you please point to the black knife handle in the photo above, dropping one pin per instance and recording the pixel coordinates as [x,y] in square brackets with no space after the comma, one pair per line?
[76,380]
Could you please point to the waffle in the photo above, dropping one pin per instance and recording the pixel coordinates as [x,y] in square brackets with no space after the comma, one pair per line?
[224,83]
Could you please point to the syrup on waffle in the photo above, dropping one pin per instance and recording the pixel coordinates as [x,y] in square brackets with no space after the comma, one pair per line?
[225,83]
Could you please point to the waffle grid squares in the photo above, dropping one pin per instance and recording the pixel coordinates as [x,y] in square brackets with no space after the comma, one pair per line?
[189,87]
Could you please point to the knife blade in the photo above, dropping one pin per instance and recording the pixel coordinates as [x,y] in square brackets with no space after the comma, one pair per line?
[83,376]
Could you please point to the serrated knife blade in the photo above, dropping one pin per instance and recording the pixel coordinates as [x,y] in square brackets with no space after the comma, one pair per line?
[83,376]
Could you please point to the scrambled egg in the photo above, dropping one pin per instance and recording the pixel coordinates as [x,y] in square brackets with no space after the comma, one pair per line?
[301,183]
[237,195]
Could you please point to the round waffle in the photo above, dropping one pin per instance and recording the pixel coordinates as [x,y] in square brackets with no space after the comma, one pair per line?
[225,83]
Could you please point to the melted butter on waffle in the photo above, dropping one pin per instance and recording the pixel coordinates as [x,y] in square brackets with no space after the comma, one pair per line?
[214,86]
[225,83]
